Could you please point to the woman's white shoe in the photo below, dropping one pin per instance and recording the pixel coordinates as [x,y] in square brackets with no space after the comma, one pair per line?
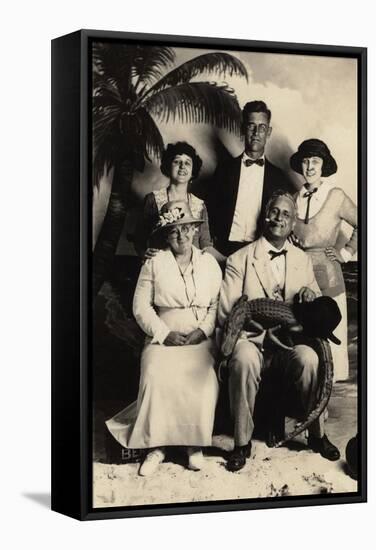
[195,458]
[152,460]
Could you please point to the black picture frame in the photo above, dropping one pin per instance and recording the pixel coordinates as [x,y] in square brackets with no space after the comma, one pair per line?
[71,275]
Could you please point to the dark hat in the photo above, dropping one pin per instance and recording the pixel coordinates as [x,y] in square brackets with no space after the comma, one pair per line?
[314,148]
[320,317]
[175,213]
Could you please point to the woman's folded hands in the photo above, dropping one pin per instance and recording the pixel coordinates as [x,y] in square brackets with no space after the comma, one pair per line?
[175,338]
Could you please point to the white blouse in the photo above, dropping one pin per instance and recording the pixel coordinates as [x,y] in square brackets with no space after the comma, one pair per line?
[316,203]
[161,285]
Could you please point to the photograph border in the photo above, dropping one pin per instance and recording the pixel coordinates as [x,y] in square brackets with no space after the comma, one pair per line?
[72,478]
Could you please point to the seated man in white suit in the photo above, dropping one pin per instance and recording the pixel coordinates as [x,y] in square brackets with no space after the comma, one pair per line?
[270,267]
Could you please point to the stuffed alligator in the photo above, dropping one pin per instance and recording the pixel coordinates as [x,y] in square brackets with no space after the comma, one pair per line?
[316,320]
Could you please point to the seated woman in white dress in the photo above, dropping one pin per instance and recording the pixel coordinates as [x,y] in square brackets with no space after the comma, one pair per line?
[175,304]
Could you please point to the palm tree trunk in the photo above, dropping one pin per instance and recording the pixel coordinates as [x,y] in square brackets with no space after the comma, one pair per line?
[113,223]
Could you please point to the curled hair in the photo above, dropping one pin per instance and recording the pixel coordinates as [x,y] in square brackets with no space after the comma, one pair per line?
[276,195]
[180,148]
[255,107]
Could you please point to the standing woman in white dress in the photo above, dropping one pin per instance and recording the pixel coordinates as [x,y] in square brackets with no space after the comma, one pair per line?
[175,304]
[321,209]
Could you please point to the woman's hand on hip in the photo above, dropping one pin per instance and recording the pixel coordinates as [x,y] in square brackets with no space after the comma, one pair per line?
[174,338]
[333,254]
[195,337]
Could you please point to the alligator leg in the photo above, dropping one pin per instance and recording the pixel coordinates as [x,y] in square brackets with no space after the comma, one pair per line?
[294,329]
[273,338]
[255,327]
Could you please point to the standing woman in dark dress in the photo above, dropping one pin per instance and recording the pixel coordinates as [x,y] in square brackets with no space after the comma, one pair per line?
[321,208]
[181,164]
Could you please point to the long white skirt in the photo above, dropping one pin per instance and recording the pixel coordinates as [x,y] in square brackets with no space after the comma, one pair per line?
[176,400]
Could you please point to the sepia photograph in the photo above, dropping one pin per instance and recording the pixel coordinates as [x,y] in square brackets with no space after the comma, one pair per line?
[225,282]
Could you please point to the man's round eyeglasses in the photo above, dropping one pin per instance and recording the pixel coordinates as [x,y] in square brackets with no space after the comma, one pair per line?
[258,128]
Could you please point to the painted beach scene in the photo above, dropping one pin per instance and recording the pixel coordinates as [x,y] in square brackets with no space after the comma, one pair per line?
[253,153]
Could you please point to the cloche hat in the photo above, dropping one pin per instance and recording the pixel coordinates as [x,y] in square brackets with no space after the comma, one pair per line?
[314,148]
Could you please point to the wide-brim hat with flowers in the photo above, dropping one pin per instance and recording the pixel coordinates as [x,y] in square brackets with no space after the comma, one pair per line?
[314,148]
[175,213]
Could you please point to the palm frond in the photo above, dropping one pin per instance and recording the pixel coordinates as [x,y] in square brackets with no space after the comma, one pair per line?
[106,140]
[215,63]
[153,142]
[197,102]
[116,137]
[103,161]
[150,63]
[106,94]
[104,158]
[114,61]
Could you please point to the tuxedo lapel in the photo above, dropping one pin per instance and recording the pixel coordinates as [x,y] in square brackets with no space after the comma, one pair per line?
[268,187]
[267,190]
[231,191]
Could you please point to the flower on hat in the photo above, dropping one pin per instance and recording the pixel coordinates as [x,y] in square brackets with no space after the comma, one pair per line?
[170,217]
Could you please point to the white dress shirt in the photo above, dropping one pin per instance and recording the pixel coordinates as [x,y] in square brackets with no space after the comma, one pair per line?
[277,265]
[248,202]
[317,200]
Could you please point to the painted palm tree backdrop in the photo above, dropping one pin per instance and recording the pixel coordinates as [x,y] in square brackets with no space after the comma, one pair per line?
[136,87]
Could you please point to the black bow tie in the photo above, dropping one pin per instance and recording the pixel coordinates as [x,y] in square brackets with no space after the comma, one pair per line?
[274,254]
[249,162]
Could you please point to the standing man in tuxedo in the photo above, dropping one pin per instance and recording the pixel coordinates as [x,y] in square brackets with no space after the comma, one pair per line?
[242,186]
[271,267]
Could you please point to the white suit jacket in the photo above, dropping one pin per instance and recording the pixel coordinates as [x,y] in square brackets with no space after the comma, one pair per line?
[248,272]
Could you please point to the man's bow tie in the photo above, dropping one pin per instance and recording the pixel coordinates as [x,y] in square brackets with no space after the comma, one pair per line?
[274,254]
[259,162]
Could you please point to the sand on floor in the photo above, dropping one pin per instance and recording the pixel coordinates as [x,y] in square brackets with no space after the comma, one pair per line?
[271,472]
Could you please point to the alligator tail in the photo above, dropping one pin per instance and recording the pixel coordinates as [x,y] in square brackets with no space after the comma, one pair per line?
[326,374]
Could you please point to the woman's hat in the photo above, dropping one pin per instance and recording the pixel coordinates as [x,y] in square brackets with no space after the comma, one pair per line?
[314,148]
[320,317]
[175,213]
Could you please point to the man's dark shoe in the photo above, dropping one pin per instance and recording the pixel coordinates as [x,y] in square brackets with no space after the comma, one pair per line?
[324,447]
[238,456]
